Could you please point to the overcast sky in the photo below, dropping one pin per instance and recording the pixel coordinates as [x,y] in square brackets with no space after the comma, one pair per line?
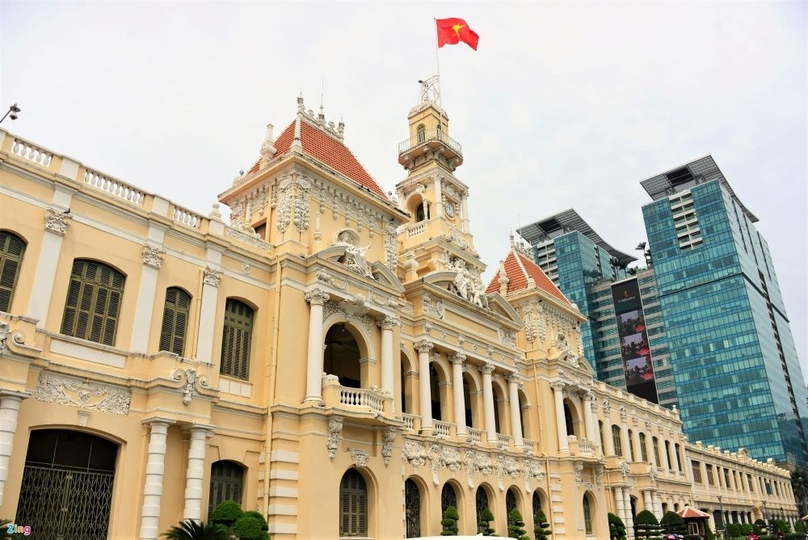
[564,105]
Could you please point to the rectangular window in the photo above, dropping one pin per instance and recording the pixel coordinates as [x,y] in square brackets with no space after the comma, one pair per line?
[696,472]
[618,444]
[710,478]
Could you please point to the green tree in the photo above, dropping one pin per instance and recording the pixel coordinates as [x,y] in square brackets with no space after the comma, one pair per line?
[617,529]
[646,526]
[485,519]
[799,484]
[672,523]
[196,530]
[541,527]
[516,525]
[449,521]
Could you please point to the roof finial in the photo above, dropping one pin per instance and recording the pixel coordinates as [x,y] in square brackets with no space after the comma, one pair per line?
[322,92]
[512,242]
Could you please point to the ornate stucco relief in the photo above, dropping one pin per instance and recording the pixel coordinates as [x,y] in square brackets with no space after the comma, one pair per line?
[65,390]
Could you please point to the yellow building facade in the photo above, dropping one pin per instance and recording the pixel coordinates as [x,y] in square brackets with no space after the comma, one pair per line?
[329,357]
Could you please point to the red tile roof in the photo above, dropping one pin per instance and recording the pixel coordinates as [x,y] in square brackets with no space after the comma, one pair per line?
[690,513]
[327,150]
[517,269]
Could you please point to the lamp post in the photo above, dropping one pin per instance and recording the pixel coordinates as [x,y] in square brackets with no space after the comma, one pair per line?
[723,526]
[11,113]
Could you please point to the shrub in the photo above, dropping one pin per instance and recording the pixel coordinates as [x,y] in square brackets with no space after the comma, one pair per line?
[516,525]
[646,526]
[249,528]
[617,529]
[260,517]
[541,527]
[485,518]
[672,523]
[449,521]
[226,513]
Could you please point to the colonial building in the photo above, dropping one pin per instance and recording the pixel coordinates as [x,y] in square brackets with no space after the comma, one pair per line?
[331,357]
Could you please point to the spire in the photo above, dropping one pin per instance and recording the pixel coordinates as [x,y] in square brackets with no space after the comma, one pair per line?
[296,144]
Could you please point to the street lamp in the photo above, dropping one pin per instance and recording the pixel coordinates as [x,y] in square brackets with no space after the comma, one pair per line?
[11,113]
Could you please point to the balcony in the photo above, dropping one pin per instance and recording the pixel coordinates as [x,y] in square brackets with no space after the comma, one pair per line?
[361,400]
[433,140]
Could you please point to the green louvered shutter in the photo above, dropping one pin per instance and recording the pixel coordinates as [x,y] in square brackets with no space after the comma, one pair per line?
[353,505]
[236,339]
[93,302]
[11,250]
[175,321]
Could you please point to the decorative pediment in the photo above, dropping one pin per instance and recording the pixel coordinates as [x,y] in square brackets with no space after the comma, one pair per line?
[500,306]
[383,275]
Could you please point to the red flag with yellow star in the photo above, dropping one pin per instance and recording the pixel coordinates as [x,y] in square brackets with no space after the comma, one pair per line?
[453,31]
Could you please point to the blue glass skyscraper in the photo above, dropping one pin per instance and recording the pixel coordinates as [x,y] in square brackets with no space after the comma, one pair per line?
[735,365]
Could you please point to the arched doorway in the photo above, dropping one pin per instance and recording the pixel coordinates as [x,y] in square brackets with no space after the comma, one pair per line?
[412,508]
[67,485]
[341,356]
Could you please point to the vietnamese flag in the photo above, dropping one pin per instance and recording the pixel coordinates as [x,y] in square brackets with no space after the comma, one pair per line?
[453,31]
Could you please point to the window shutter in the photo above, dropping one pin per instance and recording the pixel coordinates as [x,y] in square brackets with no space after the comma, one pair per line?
[93,302]
[11,251]
[236,339]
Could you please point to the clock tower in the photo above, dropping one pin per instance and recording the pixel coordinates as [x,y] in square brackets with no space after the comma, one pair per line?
[437,237]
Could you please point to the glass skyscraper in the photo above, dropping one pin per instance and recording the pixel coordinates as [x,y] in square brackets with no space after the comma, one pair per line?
[737,374]
[575,257]
[703,327]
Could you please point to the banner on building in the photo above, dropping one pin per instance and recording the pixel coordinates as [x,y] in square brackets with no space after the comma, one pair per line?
[634,348]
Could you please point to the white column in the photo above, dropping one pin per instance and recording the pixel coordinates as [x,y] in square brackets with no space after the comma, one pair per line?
[649,445]
[195,473]
[629,522]
[619,502]
[648,501]
[561,422]
[314,362]
[423,347]
[459,397]
[56,224]
[9,410]
[438,198]
[516,413]
[624,436]
[144,312]
[207,314]
[153,489]
[488,402]
[388,373]
[590,428]
[657,504]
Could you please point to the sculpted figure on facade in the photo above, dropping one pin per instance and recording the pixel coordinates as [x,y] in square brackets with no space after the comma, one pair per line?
[334,434]
[355,255]
[388,438]
[414,453]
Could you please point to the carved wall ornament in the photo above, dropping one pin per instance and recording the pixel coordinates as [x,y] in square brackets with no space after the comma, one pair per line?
[57,221]
[390,251]
[153,256]
[579,467]
[423,346]
[387,322]
[211,276]
[355,258]
[334,435]
[414,453]
[507,337]
[625,469]
[388,438]
[85,394]
[293,191]
[191,380]
[360,457]
[248,237]
[599,471]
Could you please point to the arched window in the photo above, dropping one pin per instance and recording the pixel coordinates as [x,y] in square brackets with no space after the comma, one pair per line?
[412,508]
[618,443]
[420,133]
[631,454]
[467,402]
[434,390]
[536,502]
[226,483]
[236,339]
[655,444]
[353,502]
[175,320]
[448,497]
[93,302]
[643,447]
[12,249]
[587,515]
[668,454]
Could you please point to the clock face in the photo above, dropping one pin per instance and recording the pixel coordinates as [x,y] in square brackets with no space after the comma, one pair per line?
[450,209]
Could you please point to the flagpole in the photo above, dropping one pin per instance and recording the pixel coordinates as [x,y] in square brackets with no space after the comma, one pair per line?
[437,64]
